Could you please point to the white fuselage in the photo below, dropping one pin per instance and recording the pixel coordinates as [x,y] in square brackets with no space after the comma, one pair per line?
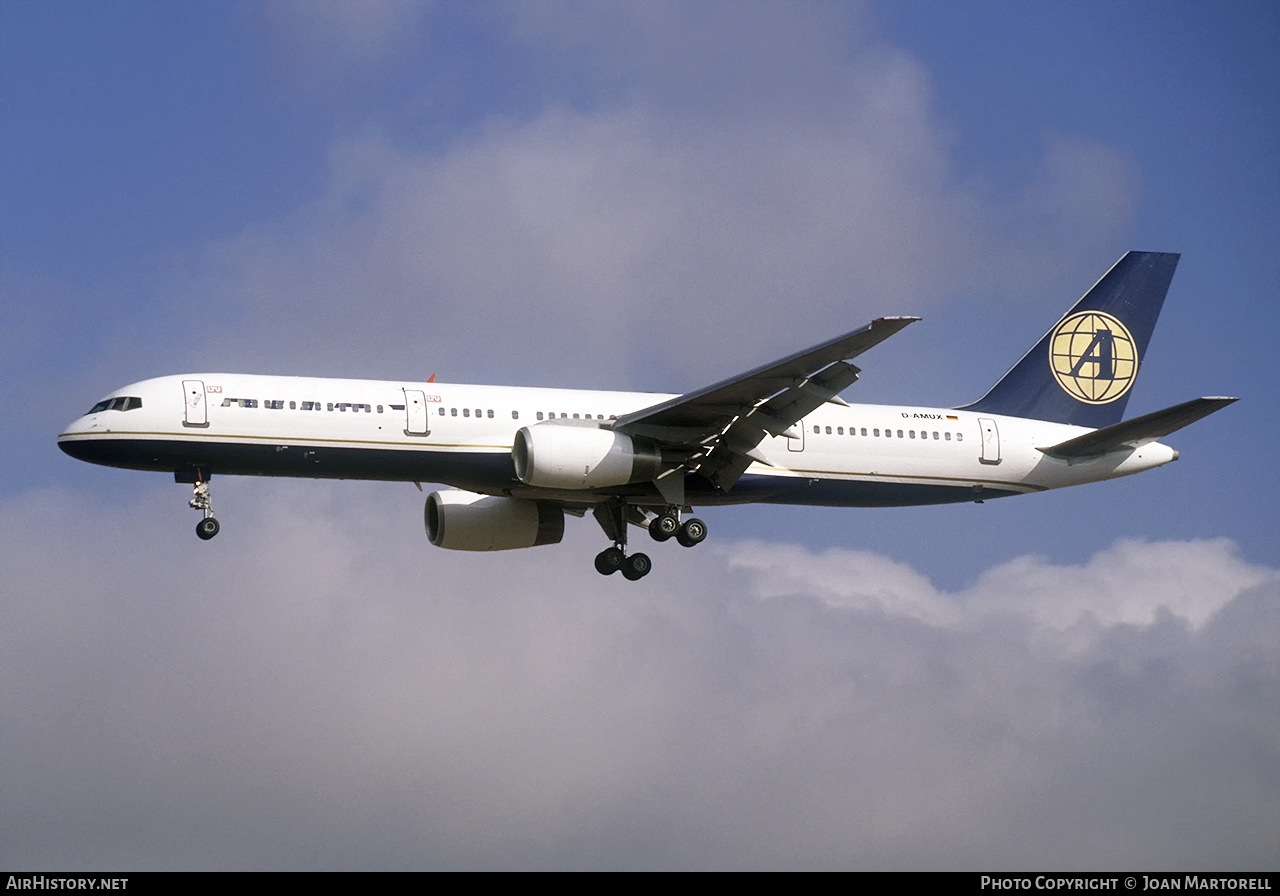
[462,435]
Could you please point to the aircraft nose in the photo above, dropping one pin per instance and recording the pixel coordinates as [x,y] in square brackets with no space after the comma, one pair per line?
[68,441]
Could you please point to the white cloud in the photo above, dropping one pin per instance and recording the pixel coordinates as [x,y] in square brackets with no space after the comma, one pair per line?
[664,243]
[1133,583]
[856,580]
[318,687]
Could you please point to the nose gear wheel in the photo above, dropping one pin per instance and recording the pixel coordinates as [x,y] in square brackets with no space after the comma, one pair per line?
[200,500]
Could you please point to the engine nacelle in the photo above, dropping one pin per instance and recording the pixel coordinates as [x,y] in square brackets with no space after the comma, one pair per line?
[575,457]
[466,521]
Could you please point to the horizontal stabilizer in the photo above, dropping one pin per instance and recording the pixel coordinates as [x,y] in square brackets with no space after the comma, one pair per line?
[1139,430]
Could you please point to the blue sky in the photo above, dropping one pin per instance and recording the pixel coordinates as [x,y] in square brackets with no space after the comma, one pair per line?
[636,196]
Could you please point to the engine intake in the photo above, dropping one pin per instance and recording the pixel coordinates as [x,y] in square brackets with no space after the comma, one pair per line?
[465,521]
[578,457]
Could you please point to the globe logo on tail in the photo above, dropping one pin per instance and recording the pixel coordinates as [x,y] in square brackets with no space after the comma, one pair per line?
[1093,357]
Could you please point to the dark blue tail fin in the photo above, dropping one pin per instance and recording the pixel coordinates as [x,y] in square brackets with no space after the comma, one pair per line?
[1083,368]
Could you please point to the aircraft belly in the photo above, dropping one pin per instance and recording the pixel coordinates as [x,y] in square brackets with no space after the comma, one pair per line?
[864,492]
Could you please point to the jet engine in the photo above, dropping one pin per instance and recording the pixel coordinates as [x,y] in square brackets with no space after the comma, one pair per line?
[557,456]
[466,521]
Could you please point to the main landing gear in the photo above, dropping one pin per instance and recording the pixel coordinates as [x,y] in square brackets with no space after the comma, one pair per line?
[614,517]
[610,560]
[666,524]
[207,527]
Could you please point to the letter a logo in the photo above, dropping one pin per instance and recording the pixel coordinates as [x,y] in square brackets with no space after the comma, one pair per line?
[1101,351]
[1093,357]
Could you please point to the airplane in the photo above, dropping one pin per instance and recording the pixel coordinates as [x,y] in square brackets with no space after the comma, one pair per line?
[516,460]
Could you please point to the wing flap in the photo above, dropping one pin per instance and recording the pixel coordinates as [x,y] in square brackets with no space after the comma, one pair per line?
[723,424]
[748,390]
[1138,431]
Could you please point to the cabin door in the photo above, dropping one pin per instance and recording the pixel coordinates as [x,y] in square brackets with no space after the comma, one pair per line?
[415,409]
[990,441]
[195,413]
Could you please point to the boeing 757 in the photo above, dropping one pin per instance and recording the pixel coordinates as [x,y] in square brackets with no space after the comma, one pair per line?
[516,460]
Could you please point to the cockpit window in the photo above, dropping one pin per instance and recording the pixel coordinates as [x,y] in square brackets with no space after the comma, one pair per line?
[119,403]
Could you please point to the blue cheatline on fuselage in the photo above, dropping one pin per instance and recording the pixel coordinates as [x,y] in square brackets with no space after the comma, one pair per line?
[494,472]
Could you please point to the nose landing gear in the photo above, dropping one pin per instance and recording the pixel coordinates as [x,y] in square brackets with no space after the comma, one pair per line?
[207,527]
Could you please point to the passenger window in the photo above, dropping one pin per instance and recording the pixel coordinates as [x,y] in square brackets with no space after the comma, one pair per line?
[466,412]
[453,412]
[816,429]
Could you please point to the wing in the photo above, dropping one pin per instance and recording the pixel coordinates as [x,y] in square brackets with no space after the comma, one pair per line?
[715,431]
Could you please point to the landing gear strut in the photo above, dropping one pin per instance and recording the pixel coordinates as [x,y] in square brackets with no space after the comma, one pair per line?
[614,516]
[207,527]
